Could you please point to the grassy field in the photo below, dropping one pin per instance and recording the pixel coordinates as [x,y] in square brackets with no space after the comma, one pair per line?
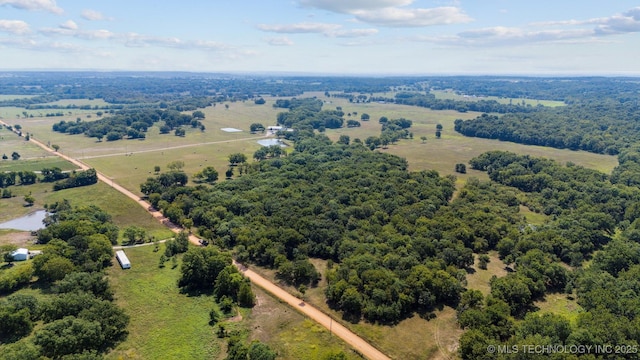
[560,304]
[13,97]
[165,324]
[77,102]
[450,95]
[124,211]
[290,333]
[36,164]
[478,279]
[10,142]
[452,148]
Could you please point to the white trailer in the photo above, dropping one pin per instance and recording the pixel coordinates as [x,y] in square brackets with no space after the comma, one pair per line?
[123,259]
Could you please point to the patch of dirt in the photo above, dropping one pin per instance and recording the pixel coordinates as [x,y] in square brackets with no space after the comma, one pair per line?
[18,238]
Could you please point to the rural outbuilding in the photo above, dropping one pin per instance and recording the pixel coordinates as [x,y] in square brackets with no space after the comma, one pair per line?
[20,254]
[123,259]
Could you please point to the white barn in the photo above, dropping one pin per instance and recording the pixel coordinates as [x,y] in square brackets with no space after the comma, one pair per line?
[123,259]
[21,254]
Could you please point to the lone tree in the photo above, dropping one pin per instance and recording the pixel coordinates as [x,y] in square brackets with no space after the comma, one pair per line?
[237,158]
[424,139]
[438,134]
[29,199]
[176,165]
[461,168]
[15,156]
[55,147]
[198,115]
[255,127]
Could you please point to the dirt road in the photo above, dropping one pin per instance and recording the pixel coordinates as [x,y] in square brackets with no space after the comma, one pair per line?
[359,344]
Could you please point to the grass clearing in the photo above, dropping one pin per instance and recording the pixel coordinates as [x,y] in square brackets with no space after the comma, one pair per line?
[291,334]
[165,324]
[10,142]
[36,164]
[75,102]
[479,279]
[452,148]
[560,304]
[533,218]
[451,95]
[14,97]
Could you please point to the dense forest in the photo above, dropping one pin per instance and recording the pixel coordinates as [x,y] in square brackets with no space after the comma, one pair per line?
[77,319]
[587,209]
[607,127]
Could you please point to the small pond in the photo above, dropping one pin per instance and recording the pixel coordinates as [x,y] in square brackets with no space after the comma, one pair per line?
[269,142]
[30,222]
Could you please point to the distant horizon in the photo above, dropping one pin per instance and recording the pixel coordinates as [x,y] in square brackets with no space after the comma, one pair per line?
[323,74]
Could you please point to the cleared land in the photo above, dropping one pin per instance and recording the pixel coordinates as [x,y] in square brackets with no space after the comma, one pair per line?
[165,324]
[451,95]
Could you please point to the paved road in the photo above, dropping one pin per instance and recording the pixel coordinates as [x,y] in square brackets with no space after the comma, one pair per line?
[321,318]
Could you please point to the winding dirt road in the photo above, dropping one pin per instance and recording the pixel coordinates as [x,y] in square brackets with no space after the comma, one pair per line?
[359,344]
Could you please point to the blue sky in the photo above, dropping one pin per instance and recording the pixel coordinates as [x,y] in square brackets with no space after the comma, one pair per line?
[359,37]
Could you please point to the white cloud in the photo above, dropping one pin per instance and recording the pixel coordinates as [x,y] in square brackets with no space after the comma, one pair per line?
[401,17]
[329,30]
[17,27]
[566,31]
[35,5]
[93,15]
[352,33]
[348,6]
[300,28]
[392,13]
[69,25]
[280,41]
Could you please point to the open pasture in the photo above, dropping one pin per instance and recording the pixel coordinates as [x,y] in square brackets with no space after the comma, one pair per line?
[10,142]
[448,94]
[6,97]
[452,148]
[165,324]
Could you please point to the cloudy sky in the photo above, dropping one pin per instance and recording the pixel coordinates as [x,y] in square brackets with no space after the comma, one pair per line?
[540,37]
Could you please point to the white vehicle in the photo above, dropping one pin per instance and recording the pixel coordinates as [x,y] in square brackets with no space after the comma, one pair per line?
[123,259]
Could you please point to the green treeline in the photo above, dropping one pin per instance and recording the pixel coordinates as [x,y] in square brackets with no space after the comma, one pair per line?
[61,180]
[77,318]
[429,101]
[77,179]
[605,127]
[308,113]
[131,124]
